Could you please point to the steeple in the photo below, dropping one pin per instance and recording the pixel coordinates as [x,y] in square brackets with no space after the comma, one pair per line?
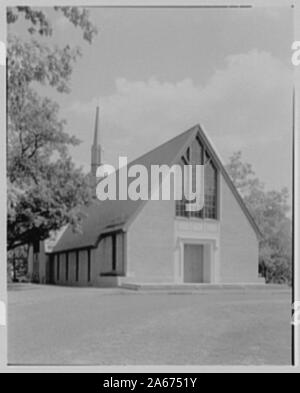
[96,149]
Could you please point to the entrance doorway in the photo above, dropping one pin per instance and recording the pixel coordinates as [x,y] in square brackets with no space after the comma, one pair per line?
[193,263]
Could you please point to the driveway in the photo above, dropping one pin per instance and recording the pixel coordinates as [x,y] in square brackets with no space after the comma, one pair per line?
[89,326]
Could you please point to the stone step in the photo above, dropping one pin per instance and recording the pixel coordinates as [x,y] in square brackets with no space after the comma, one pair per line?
[202,287]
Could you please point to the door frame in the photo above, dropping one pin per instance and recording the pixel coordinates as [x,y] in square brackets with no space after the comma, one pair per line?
[210,249]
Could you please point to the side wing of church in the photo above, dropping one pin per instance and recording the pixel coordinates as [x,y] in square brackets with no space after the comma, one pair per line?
[159,242]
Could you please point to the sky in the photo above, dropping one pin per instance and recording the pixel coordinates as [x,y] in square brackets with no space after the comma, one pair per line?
[157,72]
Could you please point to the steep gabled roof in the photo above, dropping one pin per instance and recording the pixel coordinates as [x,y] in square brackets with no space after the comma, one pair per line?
[110,216]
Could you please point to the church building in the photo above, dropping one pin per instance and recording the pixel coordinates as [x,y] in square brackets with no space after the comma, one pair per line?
[128,243]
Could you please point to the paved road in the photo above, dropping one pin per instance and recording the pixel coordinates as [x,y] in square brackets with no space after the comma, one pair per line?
[56,325]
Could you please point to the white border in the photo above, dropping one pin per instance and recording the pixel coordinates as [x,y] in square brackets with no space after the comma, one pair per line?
[297,185]
[3,287]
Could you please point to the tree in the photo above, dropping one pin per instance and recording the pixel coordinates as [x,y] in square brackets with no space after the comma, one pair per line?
[45,189]
[270,211]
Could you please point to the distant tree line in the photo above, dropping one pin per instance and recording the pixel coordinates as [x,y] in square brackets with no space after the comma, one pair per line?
[271,211]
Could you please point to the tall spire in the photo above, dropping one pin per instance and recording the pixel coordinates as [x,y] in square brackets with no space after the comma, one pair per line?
[96,159]
[97,128]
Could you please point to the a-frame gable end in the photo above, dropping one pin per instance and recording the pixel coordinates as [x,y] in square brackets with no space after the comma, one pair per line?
[218,163]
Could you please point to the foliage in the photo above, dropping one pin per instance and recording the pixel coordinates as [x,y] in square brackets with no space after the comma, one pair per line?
[45,189]
[17,267]
[40,24]
[270,211]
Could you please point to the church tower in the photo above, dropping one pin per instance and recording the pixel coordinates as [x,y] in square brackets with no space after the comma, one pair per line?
[96,151]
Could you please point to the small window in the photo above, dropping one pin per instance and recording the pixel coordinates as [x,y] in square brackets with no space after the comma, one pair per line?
[77,266]
[57,267]
[67,266]
[89,265]
[114,253]
[188,154]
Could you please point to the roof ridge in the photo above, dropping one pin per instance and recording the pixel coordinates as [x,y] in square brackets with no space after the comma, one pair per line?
[169,141]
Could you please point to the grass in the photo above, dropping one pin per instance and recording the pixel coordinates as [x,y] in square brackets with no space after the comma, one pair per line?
[89,326]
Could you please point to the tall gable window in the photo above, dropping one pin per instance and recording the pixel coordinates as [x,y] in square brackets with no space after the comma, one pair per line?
[180,205]
[211,190]
[196,154]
